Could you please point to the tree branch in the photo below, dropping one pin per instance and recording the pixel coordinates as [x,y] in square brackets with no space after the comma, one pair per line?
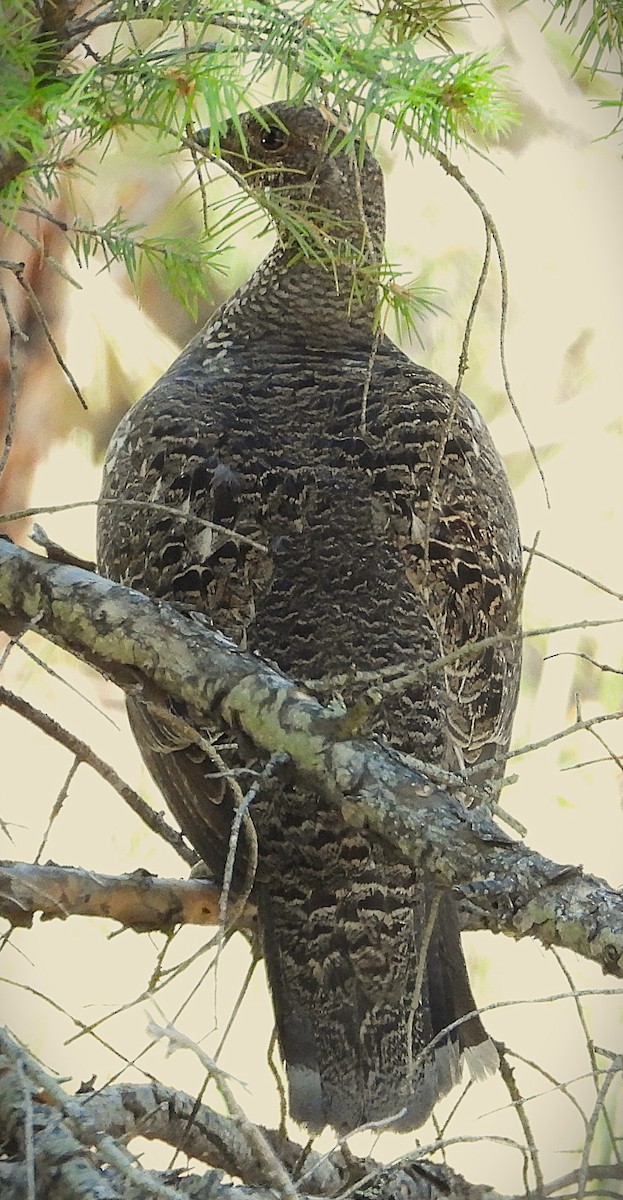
[59,1150]
[139,901]
[147,645]
[157,1112]
[55,18]
[65,1127]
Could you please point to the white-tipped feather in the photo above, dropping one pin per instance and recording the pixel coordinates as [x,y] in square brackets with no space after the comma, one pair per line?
[482,1060]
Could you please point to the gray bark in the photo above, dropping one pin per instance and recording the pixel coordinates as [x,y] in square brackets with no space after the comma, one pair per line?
[147,645]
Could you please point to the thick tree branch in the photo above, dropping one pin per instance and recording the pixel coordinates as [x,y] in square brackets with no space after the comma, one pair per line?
[146,644]
[157,1112]
[59,1151]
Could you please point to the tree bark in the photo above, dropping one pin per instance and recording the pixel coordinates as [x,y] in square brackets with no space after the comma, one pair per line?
[139,901]
[147,645]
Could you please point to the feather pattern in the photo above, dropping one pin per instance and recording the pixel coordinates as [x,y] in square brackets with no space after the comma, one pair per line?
[341,511]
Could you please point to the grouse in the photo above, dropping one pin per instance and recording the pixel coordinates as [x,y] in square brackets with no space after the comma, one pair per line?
[343,513]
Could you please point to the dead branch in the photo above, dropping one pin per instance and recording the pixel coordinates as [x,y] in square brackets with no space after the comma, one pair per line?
[65,1127]
[157,1112]
[63,1151]
[139,901]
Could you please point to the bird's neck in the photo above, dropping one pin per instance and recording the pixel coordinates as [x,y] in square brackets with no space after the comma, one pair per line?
[300,302]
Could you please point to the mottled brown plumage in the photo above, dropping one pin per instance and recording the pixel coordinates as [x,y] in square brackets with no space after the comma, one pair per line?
[287,421]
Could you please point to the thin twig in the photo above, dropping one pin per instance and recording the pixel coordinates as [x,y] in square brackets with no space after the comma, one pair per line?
[198,163]
[39,246]
[451,169]
[520,1108]
[242,991]
[242,817]
[277,1176]
[617,759]
[577,727]
[86,755]
[605,667]
[57,806]
[371,253]
[20,514]
[557,1085]
[83,1028]
[147,994]
[422,963]
[43,321]
[615,1068]
[556,562]
[462,368]
[590,1049]
[397,677]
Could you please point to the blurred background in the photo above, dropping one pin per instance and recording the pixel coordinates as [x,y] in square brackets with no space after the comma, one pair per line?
[555,189]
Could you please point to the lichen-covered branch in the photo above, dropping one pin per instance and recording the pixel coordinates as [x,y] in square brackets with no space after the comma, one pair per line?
[51,1131]
[64,1127]
[147,644]
[157,1112]
[64,1132]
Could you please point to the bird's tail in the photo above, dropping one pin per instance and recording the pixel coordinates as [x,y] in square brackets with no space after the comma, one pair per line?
[364,981]
[360,1021]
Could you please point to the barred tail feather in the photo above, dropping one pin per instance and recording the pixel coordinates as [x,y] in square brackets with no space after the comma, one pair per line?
[344,1032]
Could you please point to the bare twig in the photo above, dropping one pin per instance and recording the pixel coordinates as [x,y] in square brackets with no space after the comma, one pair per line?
[451,169]
[556,562]
[276,1174]
[43,321]
[57,806]
[148,505]
[462,368]
[615,1069]
[419,976]
[242,816]
[590,1050]
[85,754]
[520,1108]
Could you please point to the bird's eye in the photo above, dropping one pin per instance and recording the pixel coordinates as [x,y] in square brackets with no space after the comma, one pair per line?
[273,138]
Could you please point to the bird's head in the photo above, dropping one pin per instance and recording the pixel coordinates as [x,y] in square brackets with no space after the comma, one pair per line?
[294,153]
